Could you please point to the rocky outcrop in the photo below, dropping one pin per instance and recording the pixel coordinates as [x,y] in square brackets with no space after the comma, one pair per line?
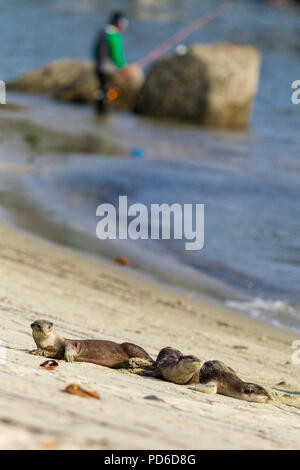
[128,89]
[213,85]
[67,80]
[75,81]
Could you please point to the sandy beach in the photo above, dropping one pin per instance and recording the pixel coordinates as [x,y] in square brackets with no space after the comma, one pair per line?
[90,299]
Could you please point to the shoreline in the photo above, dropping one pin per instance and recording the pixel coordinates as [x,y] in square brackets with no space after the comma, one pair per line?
[212,290]
[23,160]
[88,298]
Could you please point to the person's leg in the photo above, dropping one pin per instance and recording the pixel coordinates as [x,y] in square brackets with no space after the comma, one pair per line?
[101,98]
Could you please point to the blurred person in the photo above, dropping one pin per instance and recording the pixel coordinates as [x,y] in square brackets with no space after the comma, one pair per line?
[109,57]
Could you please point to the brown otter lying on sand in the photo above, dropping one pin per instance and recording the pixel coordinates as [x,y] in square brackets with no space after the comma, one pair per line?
[172,366]
[101,352]
[211,377]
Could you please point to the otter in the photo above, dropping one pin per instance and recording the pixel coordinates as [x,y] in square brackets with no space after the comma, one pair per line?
[101,352]
[172,366]
[210,377]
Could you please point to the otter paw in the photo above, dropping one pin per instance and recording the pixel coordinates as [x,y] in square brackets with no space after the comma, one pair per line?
[138,363]
[39,352]
[70,354]
[210,388]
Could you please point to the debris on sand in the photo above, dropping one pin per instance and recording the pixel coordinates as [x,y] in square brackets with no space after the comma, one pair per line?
[123,261]
[75,389]
[49,365]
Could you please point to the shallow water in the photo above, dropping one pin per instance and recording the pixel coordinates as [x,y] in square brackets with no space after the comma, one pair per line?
[248,181]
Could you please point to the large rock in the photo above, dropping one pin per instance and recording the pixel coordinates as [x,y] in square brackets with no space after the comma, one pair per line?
[75,80]
[128,89]
[68,80]
[212,85]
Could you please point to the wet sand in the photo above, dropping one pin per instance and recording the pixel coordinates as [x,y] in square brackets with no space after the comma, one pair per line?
[90,299]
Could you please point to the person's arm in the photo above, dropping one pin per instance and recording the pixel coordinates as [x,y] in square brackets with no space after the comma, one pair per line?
[116,48]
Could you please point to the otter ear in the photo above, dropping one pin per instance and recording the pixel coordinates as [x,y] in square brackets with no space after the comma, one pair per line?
[51,325]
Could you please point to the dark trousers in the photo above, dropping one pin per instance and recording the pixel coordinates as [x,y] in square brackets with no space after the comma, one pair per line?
[105,82]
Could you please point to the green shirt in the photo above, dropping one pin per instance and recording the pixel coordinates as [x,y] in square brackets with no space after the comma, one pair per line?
[116,48]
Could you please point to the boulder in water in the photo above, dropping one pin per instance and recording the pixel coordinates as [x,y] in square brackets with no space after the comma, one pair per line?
[67,80]
[128,89]
[213,85]
[75,81]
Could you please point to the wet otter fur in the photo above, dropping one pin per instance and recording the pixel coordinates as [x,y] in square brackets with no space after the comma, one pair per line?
[101,352]
[210,377]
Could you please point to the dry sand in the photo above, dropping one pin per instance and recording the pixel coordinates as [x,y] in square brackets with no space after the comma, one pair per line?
[89,299]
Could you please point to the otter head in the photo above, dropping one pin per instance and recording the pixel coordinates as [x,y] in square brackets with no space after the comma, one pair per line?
[41,330]
[254,392]
[191,364]
[186,367]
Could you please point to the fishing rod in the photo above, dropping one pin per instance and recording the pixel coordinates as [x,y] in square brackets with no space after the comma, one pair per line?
[182,34]
[176,38]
